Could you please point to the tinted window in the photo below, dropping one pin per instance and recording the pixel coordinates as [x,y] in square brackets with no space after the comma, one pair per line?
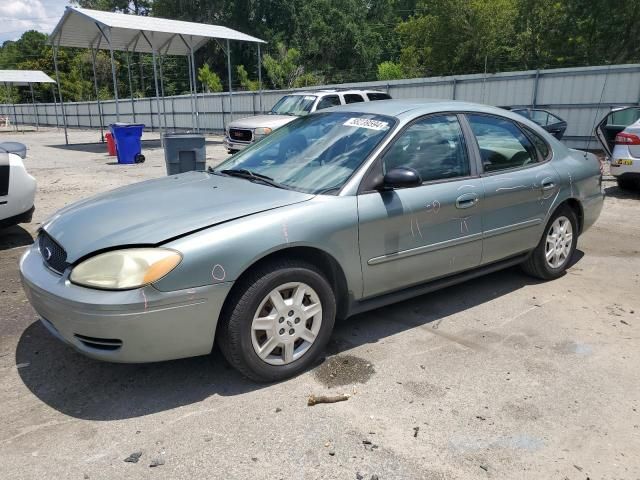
[540,144]
[294,105]
[433,146]
[502,144]
[330,101]
[353,98]
[378,96]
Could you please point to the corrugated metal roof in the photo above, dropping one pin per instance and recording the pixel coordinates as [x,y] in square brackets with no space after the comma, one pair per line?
[24,77]
[83,28]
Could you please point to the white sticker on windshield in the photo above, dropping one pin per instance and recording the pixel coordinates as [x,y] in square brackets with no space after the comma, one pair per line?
[366,123]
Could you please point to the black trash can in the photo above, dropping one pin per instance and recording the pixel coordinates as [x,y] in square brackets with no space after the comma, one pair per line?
[184,152]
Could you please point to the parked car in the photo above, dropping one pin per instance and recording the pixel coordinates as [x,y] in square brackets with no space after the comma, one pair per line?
[17,187]
[245,131]
[547,120]
[385,201]
[619,135]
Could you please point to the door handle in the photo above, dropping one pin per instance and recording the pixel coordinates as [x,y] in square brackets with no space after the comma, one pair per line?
[547,184]
[467,200]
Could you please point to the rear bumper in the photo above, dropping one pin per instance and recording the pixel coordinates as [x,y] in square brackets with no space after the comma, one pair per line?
[234,145]
[24,217]
[619,170]
[142,325]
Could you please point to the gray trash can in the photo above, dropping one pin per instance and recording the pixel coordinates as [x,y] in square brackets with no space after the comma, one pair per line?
[184,152]
[18,148]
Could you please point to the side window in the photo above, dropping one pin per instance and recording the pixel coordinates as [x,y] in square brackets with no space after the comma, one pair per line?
[540,117]
[540,144]
[553,119]
[502,144]
[433,146]
[353,98]
[328,101]
[378,96]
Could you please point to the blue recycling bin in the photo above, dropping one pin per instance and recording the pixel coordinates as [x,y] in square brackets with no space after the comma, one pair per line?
[128,137]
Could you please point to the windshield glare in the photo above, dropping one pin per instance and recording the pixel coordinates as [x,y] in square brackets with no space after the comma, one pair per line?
[314,154]
[294,105]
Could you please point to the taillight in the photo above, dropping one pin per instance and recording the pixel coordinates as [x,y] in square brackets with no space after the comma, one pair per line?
[627,139]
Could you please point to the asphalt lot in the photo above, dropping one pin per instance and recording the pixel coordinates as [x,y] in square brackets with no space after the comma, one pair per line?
[500,377]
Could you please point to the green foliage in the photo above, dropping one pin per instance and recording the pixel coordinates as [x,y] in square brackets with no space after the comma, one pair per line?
[210,79]
[308,80]
[243,77]
[390,71]
[284,69]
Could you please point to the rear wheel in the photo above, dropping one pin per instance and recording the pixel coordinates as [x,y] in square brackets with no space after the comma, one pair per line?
[625,183]
[551,257]
[278,321]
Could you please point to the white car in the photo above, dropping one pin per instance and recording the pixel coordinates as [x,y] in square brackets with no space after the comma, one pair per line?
[619,134]
[17,187]
[243,132]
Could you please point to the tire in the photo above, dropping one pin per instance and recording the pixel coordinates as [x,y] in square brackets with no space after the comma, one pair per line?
[624,183]
[536,264]
[239,339]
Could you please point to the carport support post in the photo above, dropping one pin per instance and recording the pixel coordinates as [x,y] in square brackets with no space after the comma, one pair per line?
[155,79]
[55,65]
[195,87]
[55,105]
[115,79]
[230,87]
[534,97]
[95,84]
[164,102]
[260,76]
[192,100]
[133,106]
[35,109]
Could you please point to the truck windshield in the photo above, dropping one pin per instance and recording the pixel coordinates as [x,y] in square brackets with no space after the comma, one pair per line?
[313,154]
[296,105]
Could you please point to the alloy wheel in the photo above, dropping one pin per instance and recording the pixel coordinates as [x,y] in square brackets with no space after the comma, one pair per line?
[559,242]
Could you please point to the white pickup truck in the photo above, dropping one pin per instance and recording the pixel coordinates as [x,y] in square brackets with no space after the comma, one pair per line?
[243,132]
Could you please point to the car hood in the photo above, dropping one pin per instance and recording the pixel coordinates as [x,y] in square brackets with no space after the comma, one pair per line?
[151,212]
[271,121]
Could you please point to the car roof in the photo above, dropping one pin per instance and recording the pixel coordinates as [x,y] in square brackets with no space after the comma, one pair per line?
[327,91]
[417,107]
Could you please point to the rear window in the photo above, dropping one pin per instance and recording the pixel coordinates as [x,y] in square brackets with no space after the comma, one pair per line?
[353,98]
[378,96]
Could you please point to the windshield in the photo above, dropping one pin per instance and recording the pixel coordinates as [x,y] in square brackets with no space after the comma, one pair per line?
[314,154]
[297,105]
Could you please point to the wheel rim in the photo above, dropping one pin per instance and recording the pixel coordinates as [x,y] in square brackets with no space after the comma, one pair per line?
[286,324]
[559,242]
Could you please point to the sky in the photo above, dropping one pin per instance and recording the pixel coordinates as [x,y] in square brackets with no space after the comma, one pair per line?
[18,16]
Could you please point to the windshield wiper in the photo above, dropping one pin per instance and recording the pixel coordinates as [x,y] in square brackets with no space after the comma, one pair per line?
[253,176]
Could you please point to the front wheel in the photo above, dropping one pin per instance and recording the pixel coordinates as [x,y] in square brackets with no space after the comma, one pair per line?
[278,321]
[551,257]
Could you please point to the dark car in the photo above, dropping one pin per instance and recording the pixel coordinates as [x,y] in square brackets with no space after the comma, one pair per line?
[547,120]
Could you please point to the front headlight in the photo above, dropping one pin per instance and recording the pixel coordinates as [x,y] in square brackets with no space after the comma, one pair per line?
[261,131]
[125,269]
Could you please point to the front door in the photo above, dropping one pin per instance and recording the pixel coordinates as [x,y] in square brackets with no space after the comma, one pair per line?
[519,182]
[411,235]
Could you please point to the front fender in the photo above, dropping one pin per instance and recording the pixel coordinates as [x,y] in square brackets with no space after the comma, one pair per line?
[223,252]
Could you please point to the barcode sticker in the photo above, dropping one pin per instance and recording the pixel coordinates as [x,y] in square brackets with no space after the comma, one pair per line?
[366,123]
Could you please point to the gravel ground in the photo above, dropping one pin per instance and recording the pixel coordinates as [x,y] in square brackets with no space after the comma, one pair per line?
[500,377]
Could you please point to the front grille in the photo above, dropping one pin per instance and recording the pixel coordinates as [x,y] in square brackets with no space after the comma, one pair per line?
[99,343]
[53,254]
[240,135]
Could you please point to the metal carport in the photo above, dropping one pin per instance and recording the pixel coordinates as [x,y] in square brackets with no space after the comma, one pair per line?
[94,29]
[25,78]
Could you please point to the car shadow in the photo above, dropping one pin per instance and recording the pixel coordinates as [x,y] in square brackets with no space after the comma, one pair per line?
[15,236]
[88,389]
[617,192]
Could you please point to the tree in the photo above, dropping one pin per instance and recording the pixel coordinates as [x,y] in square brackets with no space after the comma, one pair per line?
[390,71]
[243,76]
[284,69]
[210,79]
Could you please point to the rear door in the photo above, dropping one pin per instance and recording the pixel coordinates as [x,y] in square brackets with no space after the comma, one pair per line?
[615,122]
[411,235]
[519,185]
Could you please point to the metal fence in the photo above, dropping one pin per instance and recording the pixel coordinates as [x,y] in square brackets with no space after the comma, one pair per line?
[579,95]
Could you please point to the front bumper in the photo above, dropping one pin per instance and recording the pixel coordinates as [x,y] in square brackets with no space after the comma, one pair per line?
[234,144]
[141,325]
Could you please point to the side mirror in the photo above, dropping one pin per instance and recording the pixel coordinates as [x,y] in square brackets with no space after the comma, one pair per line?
[401,177]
